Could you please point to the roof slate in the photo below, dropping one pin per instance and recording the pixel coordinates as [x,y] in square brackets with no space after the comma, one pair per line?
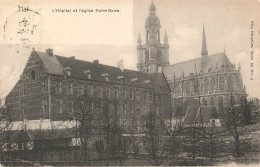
[212,62]
[55,65]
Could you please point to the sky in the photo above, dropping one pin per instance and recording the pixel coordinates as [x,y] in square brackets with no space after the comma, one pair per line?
[112,36]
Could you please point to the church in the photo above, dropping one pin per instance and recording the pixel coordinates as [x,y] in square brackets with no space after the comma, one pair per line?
[210,79]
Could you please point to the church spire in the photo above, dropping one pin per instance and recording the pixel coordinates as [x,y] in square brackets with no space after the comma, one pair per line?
[204,51]
[165,38]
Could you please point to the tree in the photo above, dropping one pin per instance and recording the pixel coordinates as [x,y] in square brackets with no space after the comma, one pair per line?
[233,117]
[153,140]
[6,124]
[83,115]
[112,130]
[246,107]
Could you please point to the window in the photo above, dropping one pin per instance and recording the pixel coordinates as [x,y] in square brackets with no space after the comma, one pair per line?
[138,95]
[44,86]
[71,106]
[59,106]
[124,124]
[116,93]
[70,88]
[33,75]
[124,93]
[45,107]
[89,75]
[132,109]
[107,91]
[131,95]
[124,109]
[100,91]
[58,87]
[151,97]
[221,83]
[81,89]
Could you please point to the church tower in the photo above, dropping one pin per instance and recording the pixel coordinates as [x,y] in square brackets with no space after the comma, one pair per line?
[152,56]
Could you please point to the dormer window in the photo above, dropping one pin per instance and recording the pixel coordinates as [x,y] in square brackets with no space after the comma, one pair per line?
[67,71]
[87,73]
[106,75]
[121,78]
[147,81]
[134,79]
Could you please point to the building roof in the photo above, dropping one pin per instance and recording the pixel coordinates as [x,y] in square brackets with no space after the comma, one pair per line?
[57,64]
[195,114]
[213,63]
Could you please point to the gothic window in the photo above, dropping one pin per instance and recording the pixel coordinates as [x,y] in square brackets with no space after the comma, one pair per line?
[44,86]
[157,36]
[221,83]
[187,86]
[206,85]
[204,102]
[33,75]
[146,55]
[230,83]
[196,86]
[159,55]
[58,87]
[220,104]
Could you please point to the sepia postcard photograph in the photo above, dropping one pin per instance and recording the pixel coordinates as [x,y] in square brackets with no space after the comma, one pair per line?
[129,82]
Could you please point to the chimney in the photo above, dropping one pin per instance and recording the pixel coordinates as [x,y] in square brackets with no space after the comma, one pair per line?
[72,57]
[49,52]
[120,65]
[95,61]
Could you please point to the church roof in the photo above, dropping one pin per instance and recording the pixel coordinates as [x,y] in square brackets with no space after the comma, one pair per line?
[55,65]
[212,63]
[193,113]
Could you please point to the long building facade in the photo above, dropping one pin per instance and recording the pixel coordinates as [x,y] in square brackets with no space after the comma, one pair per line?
[50,85]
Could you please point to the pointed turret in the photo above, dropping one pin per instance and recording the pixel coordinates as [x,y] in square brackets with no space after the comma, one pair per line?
[239,67]
[165,38]
[152,8]
[204,51]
